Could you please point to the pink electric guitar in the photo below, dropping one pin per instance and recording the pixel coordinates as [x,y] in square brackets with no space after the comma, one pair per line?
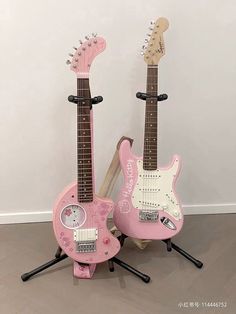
[147,206]
[79,216]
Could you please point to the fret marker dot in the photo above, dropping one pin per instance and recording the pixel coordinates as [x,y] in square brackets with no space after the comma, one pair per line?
[150,114]
[83,118]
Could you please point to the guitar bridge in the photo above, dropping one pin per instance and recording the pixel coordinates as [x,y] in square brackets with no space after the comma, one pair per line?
[85,240]
[148,215]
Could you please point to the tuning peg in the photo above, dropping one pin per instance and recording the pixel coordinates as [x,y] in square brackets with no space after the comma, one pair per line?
[75,48]
[144,47]
[80,41]
[95,41]
[71,54]
[142,53]
[94,34]
[151,29]
[146,40]
[68,62]
[87,37]
[149,35]
[152,22]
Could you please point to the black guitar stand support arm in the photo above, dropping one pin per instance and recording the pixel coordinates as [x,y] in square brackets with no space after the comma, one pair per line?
[78,100]
[60,257]
[144,96]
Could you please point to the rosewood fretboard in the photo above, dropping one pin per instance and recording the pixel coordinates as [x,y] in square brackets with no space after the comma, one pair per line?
[150,133]
[84,143]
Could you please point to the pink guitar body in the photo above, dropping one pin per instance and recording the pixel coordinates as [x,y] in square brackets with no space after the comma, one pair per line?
[92,216]
[162,198]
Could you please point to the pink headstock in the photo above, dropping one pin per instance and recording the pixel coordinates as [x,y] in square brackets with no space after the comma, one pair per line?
[84,55]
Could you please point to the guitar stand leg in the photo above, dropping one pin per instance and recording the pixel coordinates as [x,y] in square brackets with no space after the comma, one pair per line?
[37,270]
[192,259]
[111,265]
[126,266]
[58,252]
[131,269]
[168,245]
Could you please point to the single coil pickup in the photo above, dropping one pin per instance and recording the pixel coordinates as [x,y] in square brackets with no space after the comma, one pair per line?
[149,190]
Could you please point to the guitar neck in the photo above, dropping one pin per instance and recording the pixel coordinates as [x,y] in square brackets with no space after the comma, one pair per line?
[151,120]
[84,143]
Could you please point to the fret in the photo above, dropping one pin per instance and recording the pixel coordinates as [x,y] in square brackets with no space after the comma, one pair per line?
[84,154]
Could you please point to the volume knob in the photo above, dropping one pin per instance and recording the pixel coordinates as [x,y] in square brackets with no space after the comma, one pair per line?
[106,240]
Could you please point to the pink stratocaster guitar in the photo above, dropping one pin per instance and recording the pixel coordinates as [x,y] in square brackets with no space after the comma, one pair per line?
[147,206]
[79,216]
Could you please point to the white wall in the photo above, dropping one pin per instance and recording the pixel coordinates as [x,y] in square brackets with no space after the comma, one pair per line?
[37,124]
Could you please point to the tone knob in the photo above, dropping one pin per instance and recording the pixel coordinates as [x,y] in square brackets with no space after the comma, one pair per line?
[176,213]
[106,240]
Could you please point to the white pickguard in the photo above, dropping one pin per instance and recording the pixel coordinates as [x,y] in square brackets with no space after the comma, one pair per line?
[153,190]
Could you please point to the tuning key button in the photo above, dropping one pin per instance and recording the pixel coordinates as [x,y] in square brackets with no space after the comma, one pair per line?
[106,240]
[68,62]
[95,41]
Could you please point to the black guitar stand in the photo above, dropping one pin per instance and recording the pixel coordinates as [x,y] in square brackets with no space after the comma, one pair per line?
[170,245]
[59,256]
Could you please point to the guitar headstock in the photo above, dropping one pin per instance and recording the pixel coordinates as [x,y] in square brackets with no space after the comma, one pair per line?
[84,55]
[154,47]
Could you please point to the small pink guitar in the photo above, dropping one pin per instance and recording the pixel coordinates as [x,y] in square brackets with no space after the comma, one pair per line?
[79,216]
[147,206]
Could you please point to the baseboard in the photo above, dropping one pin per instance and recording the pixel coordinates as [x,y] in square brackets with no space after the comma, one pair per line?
[25,217]
[43,216]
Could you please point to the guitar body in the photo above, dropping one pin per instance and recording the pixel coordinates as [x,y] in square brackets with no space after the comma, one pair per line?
[147,206]
[88,217]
